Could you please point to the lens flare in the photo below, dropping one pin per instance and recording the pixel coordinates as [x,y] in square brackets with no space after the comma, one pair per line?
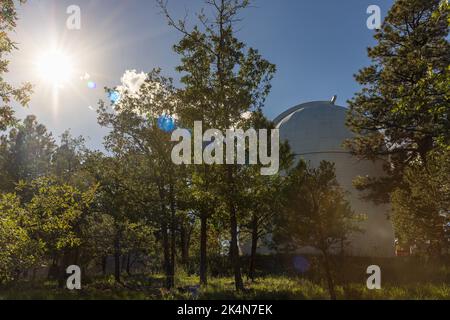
[301,264]
[166,123]
[91,85]
[114,97]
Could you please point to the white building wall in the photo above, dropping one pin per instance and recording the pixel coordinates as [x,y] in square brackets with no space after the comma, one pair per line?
[315,132]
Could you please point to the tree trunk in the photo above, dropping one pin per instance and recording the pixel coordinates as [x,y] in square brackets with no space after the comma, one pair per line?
[166,250]
[326,262]
[117,256]
[104,264]
[123,263]
[234,250]
[184,246]
[165,237]
[129,264]
[203,249]
[239,284]
[53,270]
[251,270]
[172,258]
[62,269]
[173,244]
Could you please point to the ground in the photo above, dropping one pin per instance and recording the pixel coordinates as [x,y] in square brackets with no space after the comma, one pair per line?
[280,287]
[277,278]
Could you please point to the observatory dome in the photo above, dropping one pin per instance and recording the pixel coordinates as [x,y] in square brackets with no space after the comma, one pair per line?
[316,131]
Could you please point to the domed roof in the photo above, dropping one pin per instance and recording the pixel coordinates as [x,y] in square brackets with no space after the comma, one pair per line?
[316,131]
[314,127]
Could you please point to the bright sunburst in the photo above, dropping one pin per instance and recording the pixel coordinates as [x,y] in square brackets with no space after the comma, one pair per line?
[55,67]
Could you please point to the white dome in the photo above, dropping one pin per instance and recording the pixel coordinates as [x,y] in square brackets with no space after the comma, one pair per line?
[316,132]
[321,126]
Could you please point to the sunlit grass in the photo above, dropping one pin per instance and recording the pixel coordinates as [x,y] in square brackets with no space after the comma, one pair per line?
[278,288]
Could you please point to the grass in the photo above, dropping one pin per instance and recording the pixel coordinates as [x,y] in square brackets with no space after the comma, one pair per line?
[270,287]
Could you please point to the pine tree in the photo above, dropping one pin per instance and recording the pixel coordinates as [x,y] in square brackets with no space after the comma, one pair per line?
[402,112]
[28,152]
[223,79]
[316,214]
[421,208]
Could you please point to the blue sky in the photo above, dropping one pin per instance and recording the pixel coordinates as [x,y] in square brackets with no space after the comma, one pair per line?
[317,46]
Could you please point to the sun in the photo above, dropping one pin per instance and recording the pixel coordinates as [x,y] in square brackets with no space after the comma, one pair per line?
[55,67]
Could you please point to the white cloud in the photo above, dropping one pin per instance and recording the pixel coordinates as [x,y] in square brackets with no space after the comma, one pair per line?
[132,82]
[246,115]
[132,85]
[86,76]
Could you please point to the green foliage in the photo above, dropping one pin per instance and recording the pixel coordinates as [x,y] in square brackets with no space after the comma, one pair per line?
[54,213]
[401,113]
[26,153]
[316,212]
[401,118]
[421,207]
[18,250]
[8,18]
[141,183]
[67,159]
[139,243]
[44,228]
[222,80]
[97,236]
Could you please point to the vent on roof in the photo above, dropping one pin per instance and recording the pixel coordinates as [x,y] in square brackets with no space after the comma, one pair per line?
[333,100]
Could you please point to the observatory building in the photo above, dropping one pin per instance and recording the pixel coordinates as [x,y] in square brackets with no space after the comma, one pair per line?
[316,132]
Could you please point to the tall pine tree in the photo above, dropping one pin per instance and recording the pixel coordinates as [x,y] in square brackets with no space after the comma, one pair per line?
[402,111]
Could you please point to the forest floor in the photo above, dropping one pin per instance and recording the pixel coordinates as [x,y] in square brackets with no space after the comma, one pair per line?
[278,288]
